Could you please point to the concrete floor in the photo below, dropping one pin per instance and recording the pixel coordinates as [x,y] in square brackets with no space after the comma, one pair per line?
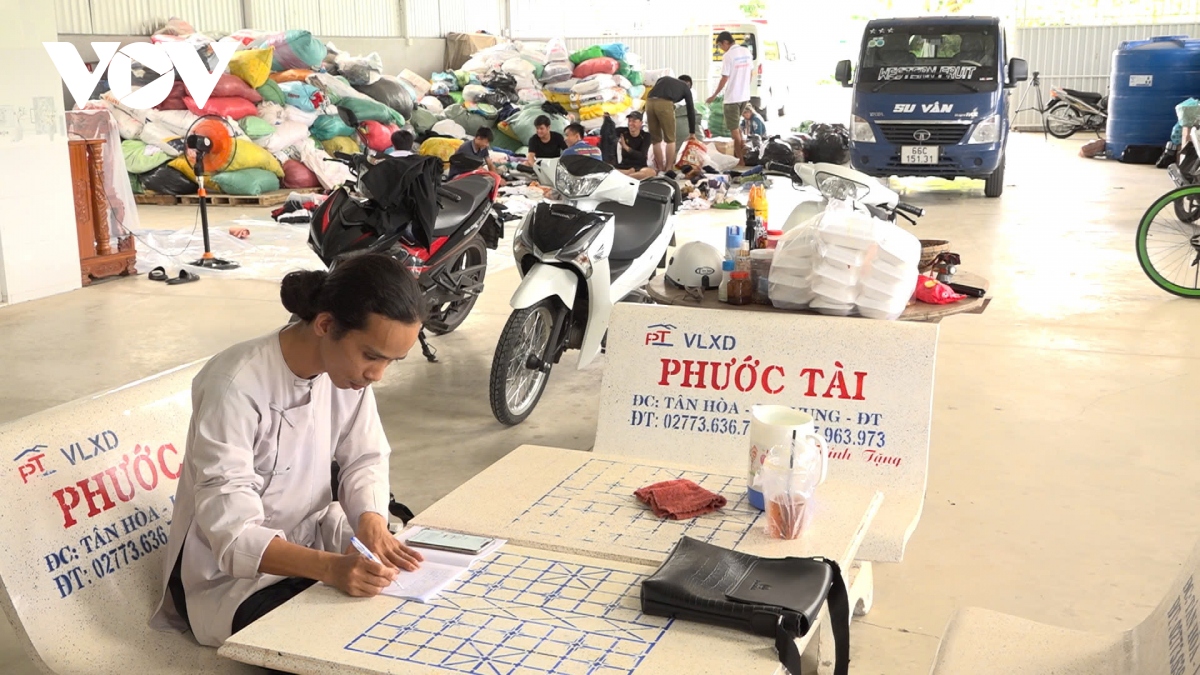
[1061,473]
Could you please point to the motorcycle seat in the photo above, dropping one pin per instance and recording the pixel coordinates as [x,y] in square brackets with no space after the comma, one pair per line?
[639,225]
[1090,97]
[474,190]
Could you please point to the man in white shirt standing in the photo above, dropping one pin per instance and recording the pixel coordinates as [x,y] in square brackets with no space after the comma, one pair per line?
[737,68]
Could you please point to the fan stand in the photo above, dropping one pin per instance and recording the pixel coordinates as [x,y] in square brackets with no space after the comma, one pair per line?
[208,260]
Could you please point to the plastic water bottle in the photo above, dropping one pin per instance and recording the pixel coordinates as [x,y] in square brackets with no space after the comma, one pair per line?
[723,288]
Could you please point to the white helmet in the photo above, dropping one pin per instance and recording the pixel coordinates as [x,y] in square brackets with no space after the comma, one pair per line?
[695,265]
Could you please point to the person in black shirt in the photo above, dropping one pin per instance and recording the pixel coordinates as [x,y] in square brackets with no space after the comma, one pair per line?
[635,149]
[545,144]
[660,111]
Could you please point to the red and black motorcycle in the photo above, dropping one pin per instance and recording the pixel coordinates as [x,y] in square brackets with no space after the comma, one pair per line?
[441,232]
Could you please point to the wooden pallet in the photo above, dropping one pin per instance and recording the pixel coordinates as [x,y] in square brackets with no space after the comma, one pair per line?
[273,198]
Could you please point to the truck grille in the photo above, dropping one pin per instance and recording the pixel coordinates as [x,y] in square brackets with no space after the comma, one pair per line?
[939,134]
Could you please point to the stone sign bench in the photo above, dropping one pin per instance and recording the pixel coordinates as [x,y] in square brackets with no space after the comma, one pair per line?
[982,642]
[87,498]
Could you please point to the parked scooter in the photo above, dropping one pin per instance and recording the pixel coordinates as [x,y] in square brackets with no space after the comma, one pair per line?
[1073,110]
[1184,172]
[449,258]
[839,182]
[576,259]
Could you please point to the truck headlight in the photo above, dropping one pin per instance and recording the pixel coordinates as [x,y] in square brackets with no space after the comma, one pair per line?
[860,130]
[987,131]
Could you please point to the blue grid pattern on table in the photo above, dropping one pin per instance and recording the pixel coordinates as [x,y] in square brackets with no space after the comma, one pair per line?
[521,614]
[595,504]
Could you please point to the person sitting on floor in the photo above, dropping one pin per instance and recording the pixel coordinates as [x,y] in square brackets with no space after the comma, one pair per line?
[402,142]
[473,154]
[545,144]
[752,123]
[635,149]
[576,145]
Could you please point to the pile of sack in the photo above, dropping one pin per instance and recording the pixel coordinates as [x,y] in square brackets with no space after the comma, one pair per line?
[843,262]
[285,96]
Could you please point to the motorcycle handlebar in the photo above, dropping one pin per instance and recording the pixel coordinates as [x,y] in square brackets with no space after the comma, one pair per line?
[452,196]
[910,209]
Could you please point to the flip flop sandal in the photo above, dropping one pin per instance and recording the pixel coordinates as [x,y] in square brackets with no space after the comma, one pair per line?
[185,277]
[157,274]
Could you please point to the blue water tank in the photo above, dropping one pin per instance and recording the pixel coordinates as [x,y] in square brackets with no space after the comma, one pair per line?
[1149,78]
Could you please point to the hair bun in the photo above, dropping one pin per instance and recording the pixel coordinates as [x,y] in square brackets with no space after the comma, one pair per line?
[300,292]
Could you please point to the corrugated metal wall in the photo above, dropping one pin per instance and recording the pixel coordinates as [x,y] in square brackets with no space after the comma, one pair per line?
[141,17]
[1078,57]
[327,18]
[74,16]
[435,18]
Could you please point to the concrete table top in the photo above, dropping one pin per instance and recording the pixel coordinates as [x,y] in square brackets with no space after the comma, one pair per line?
[521,611]
[577,502]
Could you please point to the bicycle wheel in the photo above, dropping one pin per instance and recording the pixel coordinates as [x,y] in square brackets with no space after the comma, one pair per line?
[1168,248]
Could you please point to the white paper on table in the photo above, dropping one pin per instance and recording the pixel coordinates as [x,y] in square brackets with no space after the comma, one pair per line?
[437,570]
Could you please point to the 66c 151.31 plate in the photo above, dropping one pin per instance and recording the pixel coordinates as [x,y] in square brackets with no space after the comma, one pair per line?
[919,154]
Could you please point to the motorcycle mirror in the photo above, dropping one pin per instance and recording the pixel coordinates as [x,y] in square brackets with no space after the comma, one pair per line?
[1018,71]
[348,117]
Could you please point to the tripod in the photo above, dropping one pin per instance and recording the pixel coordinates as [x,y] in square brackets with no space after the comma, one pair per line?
[1035,85]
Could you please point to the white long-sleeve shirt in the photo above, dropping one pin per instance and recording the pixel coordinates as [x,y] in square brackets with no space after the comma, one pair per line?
[257,466]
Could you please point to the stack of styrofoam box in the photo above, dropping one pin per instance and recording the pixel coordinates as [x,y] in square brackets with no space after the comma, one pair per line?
[844,262]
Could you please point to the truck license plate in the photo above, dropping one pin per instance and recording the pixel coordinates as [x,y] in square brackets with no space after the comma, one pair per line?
[919,154]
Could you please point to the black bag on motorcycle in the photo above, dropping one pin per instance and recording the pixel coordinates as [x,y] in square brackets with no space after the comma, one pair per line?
[406,187]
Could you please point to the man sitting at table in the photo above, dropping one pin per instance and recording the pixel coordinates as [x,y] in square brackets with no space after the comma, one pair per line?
[577,146]
[545,144]
[635,149]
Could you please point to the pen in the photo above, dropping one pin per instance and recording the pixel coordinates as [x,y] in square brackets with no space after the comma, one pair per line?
[364,550]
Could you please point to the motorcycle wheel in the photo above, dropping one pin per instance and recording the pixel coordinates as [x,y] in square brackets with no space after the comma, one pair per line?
[1062,121]
[1187,209]
[449,316]
[515,389]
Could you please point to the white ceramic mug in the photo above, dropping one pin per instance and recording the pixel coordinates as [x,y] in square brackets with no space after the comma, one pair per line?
[772,425]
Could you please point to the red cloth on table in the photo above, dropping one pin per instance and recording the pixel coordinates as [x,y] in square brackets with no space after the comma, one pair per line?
[679,499]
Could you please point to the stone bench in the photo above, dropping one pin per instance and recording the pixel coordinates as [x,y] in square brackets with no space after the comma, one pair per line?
[660,399]
[982,642]
[87,500]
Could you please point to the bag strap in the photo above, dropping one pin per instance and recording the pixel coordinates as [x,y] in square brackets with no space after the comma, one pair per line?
[787,630]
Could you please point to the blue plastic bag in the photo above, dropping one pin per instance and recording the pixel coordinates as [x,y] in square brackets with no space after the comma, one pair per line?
[615,50]
[302,95]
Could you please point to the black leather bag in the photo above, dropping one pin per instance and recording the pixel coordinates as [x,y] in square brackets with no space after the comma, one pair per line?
[772,597]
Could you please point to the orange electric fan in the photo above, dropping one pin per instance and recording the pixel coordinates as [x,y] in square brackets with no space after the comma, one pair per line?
[210,150]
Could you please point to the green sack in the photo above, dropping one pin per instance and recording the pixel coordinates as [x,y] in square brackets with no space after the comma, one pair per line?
[716,117]
[593,52]
[135,184]
[328,126]
[138,160]
[463,77]
[505,142]
[246,182]
[470,122]
[423,120]
[256,127]
[634,76]
[270,91]
[366,109]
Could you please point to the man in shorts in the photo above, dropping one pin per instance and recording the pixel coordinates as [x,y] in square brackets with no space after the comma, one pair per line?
[736,70]
[660,115]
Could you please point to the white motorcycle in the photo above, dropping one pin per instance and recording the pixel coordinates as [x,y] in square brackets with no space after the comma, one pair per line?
[577,258]
[837,182]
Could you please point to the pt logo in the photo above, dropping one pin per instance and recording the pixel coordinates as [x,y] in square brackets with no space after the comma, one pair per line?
[31,463]
[658,334]
[165,59]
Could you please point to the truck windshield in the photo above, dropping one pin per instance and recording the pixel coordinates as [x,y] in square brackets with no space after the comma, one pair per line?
[928,54]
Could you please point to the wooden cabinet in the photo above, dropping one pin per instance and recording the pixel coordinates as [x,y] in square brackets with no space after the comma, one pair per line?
[96,257]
